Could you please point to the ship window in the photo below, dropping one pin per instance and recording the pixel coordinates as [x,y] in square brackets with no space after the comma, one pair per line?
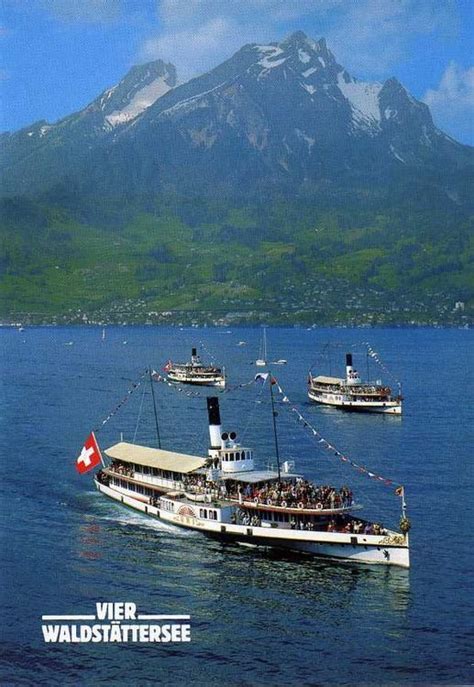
[237,455]
[232,457]
[145,470]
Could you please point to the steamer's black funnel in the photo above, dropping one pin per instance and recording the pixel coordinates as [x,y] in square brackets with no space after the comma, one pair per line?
[213,410]
[193,352]
[349,359]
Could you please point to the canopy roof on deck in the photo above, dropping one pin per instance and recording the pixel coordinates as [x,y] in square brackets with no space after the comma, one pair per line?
[154,457]
[328,380]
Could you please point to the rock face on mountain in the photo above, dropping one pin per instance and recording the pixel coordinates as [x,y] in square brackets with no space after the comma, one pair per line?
[283,116]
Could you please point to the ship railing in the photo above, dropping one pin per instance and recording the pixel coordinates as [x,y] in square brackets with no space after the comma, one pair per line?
[294,507]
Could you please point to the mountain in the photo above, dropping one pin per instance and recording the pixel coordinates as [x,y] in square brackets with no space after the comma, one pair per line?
[275,186]
[279,116]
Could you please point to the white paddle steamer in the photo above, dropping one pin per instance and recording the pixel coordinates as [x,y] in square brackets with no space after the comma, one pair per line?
[224,495]
[195,372]
[353,394]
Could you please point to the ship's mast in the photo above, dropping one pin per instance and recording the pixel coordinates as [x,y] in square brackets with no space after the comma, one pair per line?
[274,414]
[154,409]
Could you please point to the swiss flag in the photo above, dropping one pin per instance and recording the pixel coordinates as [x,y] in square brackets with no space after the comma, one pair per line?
[90,455]
[168,366]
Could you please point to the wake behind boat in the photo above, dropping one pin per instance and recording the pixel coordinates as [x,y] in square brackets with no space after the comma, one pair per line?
[195,372]
[352,393]
[225,495]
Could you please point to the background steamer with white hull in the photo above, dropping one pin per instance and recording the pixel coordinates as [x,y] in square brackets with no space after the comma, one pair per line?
[352,393]
[225,496]
[195,372]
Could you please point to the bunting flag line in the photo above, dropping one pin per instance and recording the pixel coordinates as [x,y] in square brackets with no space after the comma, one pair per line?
[207,351]
[375,356]
[328,446]
[157,377]
[133,388]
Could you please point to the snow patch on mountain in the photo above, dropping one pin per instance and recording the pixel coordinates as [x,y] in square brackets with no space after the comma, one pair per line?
[142,99]
[396,155]
[194,102]
[363,98]
[307,139]
[304,57]
[106,96]
[309,88]
[268,61]
[309,71]
[389,113]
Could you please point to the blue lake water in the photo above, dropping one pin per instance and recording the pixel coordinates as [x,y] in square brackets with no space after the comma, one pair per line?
[257,618]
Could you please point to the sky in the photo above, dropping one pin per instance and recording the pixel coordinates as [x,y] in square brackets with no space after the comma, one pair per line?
[56,56]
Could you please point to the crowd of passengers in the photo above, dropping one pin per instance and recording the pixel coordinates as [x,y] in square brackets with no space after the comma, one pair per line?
[121,468]
[353,526]
[242,517]
[299,494]
[339,524]
[103,478]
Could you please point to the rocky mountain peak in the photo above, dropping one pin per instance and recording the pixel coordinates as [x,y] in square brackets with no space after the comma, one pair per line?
[278,113]
[141,87]
[299,52]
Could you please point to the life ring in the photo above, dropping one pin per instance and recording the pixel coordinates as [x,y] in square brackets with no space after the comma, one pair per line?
[255,500]
[269,502]
[319,506]
[284,504]
[301,504]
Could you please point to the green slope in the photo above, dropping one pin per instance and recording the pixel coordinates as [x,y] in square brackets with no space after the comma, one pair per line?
[288,261]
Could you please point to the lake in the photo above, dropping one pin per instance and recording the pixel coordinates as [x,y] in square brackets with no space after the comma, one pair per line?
[257,618]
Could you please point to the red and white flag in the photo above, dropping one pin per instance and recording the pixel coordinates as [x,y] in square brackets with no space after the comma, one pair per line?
[90,455]
[168,366]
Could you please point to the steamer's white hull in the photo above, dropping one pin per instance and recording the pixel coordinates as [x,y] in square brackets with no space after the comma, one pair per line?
[339,401]
[217,381]
[357,548]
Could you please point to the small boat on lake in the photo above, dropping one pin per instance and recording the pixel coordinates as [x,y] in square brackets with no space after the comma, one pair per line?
[195,372]
[352,394]
[224,494]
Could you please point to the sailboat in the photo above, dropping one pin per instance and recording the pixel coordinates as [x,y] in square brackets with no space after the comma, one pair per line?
[225,495]
[262,361]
